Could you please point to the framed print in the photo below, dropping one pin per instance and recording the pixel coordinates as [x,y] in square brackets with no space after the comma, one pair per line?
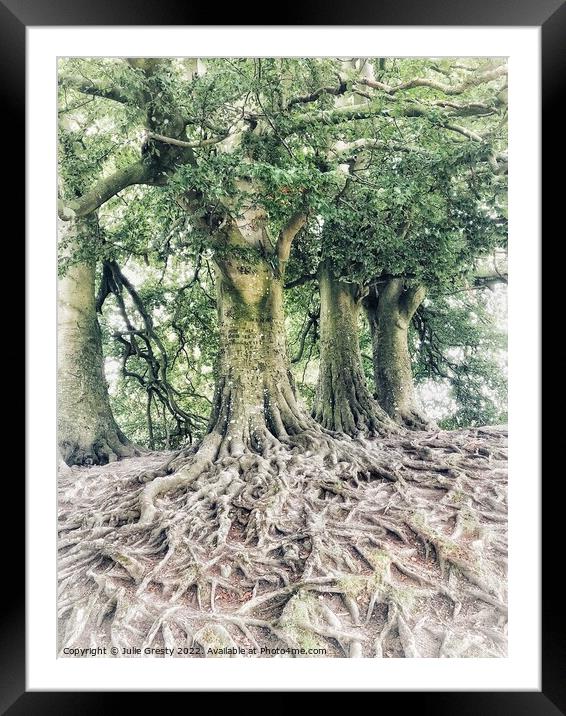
[276,276]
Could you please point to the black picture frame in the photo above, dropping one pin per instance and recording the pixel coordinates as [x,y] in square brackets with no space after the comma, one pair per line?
[15,16]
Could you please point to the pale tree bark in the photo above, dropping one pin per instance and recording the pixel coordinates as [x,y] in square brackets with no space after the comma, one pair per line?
[390,307]
[86,430]
[343,401]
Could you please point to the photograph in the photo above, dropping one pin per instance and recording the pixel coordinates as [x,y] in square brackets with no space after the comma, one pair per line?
[282,357]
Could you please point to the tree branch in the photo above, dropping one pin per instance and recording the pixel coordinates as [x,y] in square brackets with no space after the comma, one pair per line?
[182,143]
[301,280]
[304,99]
[312,319]
[448,89]
[496,160]
[137,173]
[412,298]
[88,87]
[380,109]
[287,234]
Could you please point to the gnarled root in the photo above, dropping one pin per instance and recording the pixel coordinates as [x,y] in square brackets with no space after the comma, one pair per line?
[415,419]
[358,548]
[108,447]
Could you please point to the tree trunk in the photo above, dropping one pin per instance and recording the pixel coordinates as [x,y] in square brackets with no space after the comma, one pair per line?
[389,314]
[343,401]
[87,431]
[254,399]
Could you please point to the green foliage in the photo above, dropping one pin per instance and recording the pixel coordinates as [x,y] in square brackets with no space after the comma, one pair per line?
[459,341]
[415,217]
[422,202]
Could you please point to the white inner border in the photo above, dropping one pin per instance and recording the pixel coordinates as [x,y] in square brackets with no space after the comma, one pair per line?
[521,669]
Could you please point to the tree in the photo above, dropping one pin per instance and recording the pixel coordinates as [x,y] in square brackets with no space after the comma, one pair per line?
[419,167]
[343,400]
[87,431]
[423,219]
[389,316]
[264,142]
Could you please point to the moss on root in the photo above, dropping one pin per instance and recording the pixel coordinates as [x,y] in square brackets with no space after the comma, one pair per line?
[300,611]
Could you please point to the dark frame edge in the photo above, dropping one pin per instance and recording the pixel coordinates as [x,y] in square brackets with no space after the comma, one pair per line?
[553,68]
[12,123]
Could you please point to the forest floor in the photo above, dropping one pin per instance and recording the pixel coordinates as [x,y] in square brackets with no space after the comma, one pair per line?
[408,562]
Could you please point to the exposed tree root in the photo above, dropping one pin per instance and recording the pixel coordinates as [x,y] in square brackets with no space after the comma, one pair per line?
[109,446]
[414,418]
[363,548]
